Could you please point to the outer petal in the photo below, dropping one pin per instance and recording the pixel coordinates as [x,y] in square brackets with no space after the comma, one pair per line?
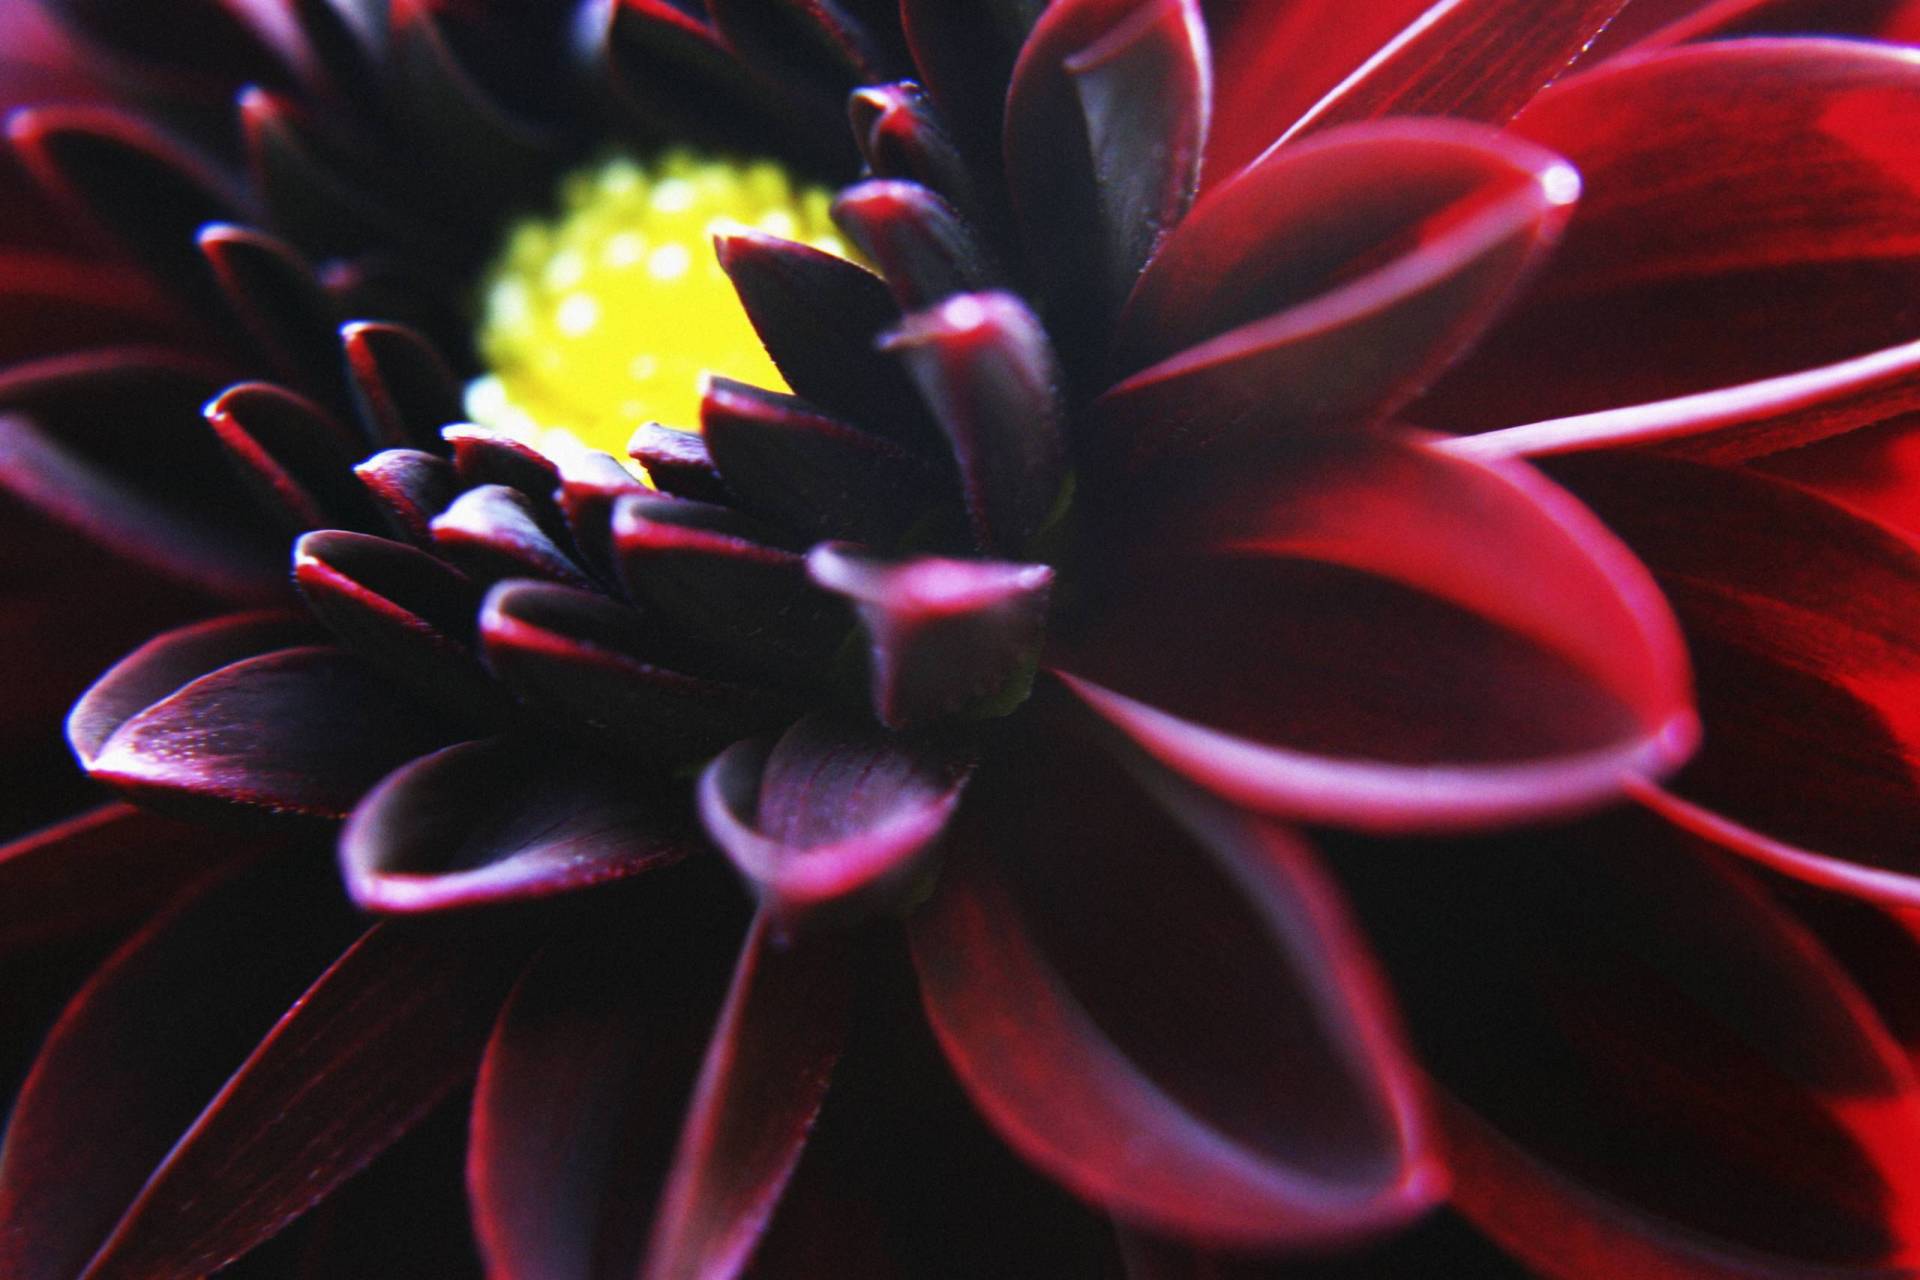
[1198,1047]
[1697,1088]
[760,1088]
[1802,618]
[1696,259]
[483,823]
[1386,638]
[834,817]
[1274,309]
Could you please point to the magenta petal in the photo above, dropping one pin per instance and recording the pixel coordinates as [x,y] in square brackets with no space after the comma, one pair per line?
[1800,613]
[1480,648]
[760,1088]
[490,822]
[366,1051]
[833,819]
[943,635]
[299,731]
[130,1063]
[1508,50]
[1326,350]
[1248,1092]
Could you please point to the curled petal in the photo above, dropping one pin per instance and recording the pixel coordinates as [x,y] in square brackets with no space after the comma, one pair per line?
[485,822]
[1247,1093]
[1481,649]
[833,818]
[677,462]
[299,731]
[273,293]
[984,364]
[482,456]
[1351,330]
[411,488]
[760,1088]
[944,635]
[294,457]
[496,532]
[901,136]
[924,249]
[401,385]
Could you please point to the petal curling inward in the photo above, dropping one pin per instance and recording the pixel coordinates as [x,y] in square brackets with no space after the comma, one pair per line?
[833,819]
[1201,1048]
[489,822]
[1317,330]
[1696,238]
[1698,1089]
[943,635]
[1382,637]
[1801,614]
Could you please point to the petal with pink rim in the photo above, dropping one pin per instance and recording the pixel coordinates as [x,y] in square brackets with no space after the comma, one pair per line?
[1200,1048]
[1383,637]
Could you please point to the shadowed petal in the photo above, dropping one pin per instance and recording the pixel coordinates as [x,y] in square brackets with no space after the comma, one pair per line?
[411,488]
[490,822]
[296,460]
[1384,637]
[834,819]
[496,532]
[1800,614]
[1695,260]
[364,1053]
[761,1086]
[1201,1047]
[272,291]
[401,385]
[1693,1086]
[924,249]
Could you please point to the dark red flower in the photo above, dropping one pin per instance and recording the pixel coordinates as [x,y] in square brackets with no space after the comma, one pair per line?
[1201,665]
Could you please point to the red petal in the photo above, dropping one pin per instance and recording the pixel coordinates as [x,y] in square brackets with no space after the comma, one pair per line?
[1748,212]
[1353,329]
[1197,1046]
[760,1088]
[378,1038]
[833,817]
[1387,638]
[1801,617]
[485,822]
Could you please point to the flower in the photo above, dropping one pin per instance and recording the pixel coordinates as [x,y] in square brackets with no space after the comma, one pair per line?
[1203,658]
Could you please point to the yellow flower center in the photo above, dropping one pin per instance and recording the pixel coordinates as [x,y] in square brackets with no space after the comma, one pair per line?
[611,313]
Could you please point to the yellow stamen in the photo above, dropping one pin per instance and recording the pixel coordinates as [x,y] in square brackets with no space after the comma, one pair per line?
[609,314]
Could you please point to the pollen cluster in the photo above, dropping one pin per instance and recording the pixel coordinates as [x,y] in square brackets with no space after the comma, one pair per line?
[610,313]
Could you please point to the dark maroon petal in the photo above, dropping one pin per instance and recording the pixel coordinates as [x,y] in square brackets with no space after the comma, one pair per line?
[596,666]
[43,473]
[1247,1092]
[985,366]
[677,462]
[130,1063]
[495,532]
[1273,59]
[460,130]
[788,462]
[1284,640]
[706,569]
[820,45]
[591,483]
[1730,424]
[966,59]
[944,636]
[412,488]
[582,1092]
[765,1075]
[145,189]
[819,316]
[924,250]
[294,457]
[490,822]
[109,866]
[1800,616]
[1685,1073]
[834,819]
[372,1045]
[298,731]
[401,609]
[194,36]
[901,136]
[170,661]
[1106,119]
[403,388]
[274,294]
[1719,263]
[55,302]
[1469,59]
[481,456]
[1335,351]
